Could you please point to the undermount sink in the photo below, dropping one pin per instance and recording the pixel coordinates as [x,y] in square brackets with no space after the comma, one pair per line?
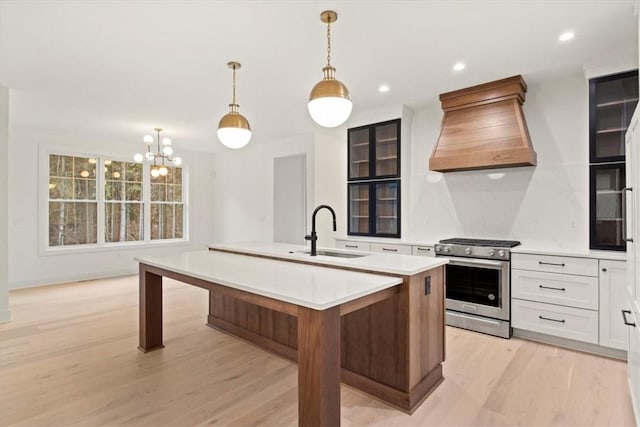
[336,254]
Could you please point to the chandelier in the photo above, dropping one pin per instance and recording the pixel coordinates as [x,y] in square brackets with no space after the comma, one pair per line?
[157,156]
[329,102]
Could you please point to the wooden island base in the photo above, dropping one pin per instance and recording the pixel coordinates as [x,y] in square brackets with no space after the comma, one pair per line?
[392,349]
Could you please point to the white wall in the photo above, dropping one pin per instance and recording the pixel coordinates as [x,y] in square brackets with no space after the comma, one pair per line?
[28,267]
[545,205]
[331,167]
[243,188]
[4,204]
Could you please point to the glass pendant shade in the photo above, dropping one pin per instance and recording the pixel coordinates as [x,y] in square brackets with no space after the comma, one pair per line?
[155,172]
[329,102]
[233,129]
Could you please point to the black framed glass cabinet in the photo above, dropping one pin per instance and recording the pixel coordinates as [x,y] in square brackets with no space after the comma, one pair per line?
[374,180]
[612,101]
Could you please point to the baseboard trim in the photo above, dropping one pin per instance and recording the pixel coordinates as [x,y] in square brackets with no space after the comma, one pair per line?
[571,344]
[71,278]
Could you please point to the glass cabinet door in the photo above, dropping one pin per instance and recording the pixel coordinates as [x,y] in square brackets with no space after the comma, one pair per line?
[359,209]
[387,208]
[386,142]
[613,100]
[358,153]
[607,182]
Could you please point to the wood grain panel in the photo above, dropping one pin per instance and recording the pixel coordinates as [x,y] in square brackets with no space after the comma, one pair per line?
[426,341]
[150,311]
[510,87]
[483,127]
[319,367]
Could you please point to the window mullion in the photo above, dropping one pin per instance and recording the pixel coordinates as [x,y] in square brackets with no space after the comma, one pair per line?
[146,200]
[100,182]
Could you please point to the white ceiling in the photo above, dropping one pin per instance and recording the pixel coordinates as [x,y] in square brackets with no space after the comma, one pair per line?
[122,68]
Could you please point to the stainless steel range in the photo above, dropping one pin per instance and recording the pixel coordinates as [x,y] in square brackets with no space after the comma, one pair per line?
[478,284]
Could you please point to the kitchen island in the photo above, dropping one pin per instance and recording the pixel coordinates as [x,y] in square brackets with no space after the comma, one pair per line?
[315,296]
[392,348]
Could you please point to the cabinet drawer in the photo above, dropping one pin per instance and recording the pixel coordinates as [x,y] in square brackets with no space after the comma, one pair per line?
[423,251]
[391,248]
[350,244]
[566,322]
[555,264]
[554,288]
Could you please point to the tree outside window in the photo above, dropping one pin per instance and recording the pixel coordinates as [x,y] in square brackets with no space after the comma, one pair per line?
[72,201]
[124,206]
[125,192]
[166,205]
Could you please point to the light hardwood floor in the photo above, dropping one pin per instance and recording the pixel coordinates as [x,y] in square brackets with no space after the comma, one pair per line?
[69,358]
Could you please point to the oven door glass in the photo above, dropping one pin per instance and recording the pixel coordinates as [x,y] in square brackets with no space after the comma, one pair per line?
[474,284]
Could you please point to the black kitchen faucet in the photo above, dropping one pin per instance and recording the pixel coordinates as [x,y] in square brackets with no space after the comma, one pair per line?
[313,236]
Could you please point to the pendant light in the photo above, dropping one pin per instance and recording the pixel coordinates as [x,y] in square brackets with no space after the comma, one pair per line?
[329,102]
[234,130]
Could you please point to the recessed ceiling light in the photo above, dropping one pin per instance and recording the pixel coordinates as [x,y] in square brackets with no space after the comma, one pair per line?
[458,66]
[566,36]
[383,89]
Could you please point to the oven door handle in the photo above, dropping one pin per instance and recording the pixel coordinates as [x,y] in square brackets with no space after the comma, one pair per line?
[472,262]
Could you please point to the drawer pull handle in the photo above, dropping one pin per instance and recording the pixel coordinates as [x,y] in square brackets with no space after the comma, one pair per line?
[624,318]
[553,320]
[557,264]
[390,249]
[551,287]
[424,249]
[351,246]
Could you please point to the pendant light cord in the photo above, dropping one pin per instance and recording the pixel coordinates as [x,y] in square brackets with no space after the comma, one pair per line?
[329,42]
[234,85]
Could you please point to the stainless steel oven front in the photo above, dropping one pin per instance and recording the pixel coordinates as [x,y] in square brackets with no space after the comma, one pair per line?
[478,295]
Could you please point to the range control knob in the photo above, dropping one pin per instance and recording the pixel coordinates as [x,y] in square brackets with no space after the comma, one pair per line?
[501,253]
[491,252]
[447,249]
[467,251]
[438,248]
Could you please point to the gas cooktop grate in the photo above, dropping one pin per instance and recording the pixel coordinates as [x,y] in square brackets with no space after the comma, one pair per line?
[481,242]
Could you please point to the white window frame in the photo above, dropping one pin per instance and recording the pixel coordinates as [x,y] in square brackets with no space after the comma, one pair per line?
[101,245]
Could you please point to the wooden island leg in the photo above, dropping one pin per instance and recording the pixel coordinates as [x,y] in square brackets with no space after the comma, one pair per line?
[318,367]
[150,310]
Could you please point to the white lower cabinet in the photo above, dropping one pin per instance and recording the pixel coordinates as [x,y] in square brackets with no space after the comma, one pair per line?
[634,358]
[353,245]
[554,288]
[390,248]
[423,250]
[566,322]
[613,299]
[585,297]
[555,295]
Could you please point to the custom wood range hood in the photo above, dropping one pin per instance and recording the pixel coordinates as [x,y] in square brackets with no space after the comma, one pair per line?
[484,128]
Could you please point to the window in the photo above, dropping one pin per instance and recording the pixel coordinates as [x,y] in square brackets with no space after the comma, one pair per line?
[122,205]
[166,205]
[72,201]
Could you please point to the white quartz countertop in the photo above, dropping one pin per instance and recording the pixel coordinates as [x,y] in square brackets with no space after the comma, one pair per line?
[310,286]
[406,265]
[580,253]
